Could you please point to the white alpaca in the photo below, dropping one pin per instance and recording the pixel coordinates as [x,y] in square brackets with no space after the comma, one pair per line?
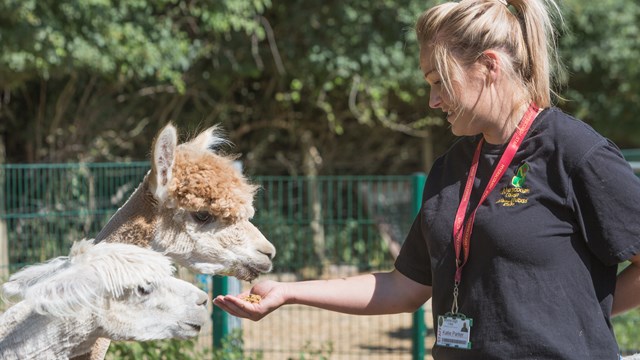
[114,291]
[194,206]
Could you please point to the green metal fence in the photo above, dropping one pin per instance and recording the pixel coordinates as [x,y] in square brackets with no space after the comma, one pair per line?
[322,227]
[633,157]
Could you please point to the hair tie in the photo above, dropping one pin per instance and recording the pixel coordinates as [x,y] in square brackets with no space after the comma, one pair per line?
[504,2]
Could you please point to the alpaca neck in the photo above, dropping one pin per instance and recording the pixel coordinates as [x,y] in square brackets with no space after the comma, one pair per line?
[25,334]
[134,222]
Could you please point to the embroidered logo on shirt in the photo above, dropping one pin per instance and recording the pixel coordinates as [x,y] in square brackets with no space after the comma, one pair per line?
[517,194]
[521,174]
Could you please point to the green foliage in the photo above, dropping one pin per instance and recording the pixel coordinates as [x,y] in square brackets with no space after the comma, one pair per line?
[232,349]
[122,40]
[288,238]
[627,326]
[309,352]
[627,330]
[94,80]
[38,237]
[355,60]
[151,350]
[50,207]
[350,215]
[601,50]
[80,74]
[346,241]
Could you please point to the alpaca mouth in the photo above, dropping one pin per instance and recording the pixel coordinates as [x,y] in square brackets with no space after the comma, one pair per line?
[195,327]
[248,272]
[192,326]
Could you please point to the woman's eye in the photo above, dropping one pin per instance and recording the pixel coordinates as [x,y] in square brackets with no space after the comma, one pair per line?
[434,83]
[202,216]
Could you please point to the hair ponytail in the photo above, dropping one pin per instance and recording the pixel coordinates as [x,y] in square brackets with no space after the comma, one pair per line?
[539,34]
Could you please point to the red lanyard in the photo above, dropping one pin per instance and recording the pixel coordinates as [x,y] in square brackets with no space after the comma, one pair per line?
[462,239]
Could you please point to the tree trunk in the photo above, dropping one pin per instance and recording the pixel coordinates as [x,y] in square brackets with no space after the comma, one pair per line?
[4,240]
[427,153]
[312,162]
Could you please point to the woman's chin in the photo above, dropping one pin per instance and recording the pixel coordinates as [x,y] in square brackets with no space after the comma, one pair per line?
[457,131]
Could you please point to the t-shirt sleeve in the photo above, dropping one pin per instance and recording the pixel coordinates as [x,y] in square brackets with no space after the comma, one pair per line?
[414,261]
[607,200]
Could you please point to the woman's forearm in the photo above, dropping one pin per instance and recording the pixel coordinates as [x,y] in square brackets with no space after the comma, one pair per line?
[371,294]
[627,295]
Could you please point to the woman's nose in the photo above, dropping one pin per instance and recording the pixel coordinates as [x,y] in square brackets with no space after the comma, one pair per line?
[434,99]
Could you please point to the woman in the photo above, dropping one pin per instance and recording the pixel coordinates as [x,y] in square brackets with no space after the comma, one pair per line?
[524,219]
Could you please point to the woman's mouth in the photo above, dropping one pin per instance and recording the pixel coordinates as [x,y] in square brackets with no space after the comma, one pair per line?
[450,117]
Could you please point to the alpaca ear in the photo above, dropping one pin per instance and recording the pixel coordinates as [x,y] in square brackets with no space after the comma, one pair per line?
[19,282]
[208,140]
[162,158]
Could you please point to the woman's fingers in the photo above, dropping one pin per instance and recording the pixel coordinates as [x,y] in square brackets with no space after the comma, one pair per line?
[253,304]
[236,306]
[225,303]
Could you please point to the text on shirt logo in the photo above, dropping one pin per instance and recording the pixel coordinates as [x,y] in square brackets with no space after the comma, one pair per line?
[516,194]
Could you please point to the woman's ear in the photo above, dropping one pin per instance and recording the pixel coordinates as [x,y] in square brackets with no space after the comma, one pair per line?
[491,63]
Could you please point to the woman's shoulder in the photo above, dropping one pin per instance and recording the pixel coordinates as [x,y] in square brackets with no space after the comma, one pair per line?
[570,138]
[567,132]
[566,124]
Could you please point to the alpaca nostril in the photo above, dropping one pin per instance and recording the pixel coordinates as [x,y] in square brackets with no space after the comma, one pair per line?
[269,254]
[202,301]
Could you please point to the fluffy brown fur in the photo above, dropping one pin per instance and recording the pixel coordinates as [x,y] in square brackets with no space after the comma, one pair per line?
[209,182]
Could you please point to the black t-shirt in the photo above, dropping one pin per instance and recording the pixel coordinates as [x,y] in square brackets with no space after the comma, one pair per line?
[541,272]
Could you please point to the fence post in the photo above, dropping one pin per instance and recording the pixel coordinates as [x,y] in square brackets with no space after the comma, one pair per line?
[4,235]
[219,316]
[223,323]
[419,325]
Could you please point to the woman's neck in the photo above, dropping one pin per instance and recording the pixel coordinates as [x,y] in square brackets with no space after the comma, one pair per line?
[502,132]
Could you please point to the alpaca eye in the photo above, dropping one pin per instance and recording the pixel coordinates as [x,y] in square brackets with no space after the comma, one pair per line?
[143,290]
[201,216]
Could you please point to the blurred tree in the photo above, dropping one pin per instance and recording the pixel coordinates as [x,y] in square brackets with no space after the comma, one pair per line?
[302,87]
[601,50]
[85,79]
[343,91]
[78,76]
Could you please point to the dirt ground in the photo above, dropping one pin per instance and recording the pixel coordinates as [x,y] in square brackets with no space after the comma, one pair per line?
[296,332]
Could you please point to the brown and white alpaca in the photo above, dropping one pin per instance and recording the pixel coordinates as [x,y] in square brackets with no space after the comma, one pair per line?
[194,206]
[117,291]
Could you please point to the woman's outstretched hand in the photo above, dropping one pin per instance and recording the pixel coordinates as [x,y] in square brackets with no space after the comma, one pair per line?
[271,297]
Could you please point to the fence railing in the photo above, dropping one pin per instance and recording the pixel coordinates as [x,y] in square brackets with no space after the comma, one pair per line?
[633,157]
[322,227]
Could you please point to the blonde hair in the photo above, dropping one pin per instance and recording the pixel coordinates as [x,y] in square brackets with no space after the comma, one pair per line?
[523,36]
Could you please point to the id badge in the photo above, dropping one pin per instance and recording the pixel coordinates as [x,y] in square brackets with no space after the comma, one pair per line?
[454,331]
